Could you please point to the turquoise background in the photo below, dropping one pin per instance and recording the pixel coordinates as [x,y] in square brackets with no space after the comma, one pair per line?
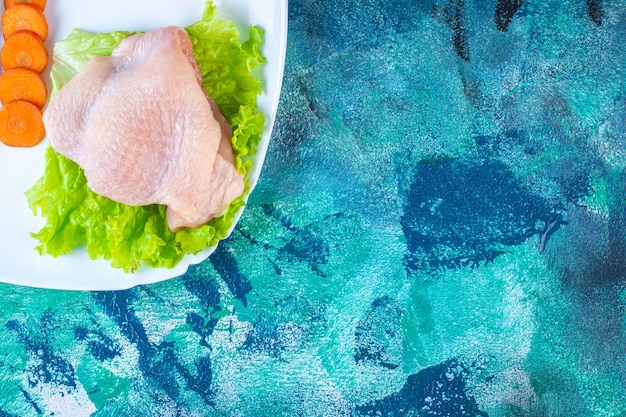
[439,230]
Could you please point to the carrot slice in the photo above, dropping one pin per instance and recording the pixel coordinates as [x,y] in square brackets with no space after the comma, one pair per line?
[23,84]
[24,17]
[21,124]
[39,3]
[24,49]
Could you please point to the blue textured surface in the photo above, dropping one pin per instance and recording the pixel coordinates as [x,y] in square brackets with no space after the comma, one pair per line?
[439,230]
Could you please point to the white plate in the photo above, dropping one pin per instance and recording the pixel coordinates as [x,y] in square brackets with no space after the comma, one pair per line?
[20,263]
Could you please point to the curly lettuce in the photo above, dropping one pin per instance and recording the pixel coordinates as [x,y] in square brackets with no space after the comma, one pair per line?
[129,236]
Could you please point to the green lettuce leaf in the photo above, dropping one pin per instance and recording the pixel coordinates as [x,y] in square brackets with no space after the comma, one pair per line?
[131,236]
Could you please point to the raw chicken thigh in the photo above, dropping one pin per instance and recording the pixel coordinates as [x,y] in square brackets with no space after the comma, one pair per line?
[145,132]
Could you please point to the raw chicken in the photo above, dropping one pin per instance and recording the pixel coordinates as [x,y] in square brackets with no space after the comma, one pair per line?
[145,132]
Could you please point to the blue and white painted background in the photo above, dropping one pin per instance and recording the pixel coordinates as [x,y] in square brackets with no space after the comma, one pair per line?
[439,230]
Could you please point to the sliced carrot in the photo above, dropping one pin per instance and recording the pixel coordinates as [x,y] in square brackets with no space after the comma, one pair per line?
[24,49]
[39,3]
[24,17]
[21,124]
[23,84]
